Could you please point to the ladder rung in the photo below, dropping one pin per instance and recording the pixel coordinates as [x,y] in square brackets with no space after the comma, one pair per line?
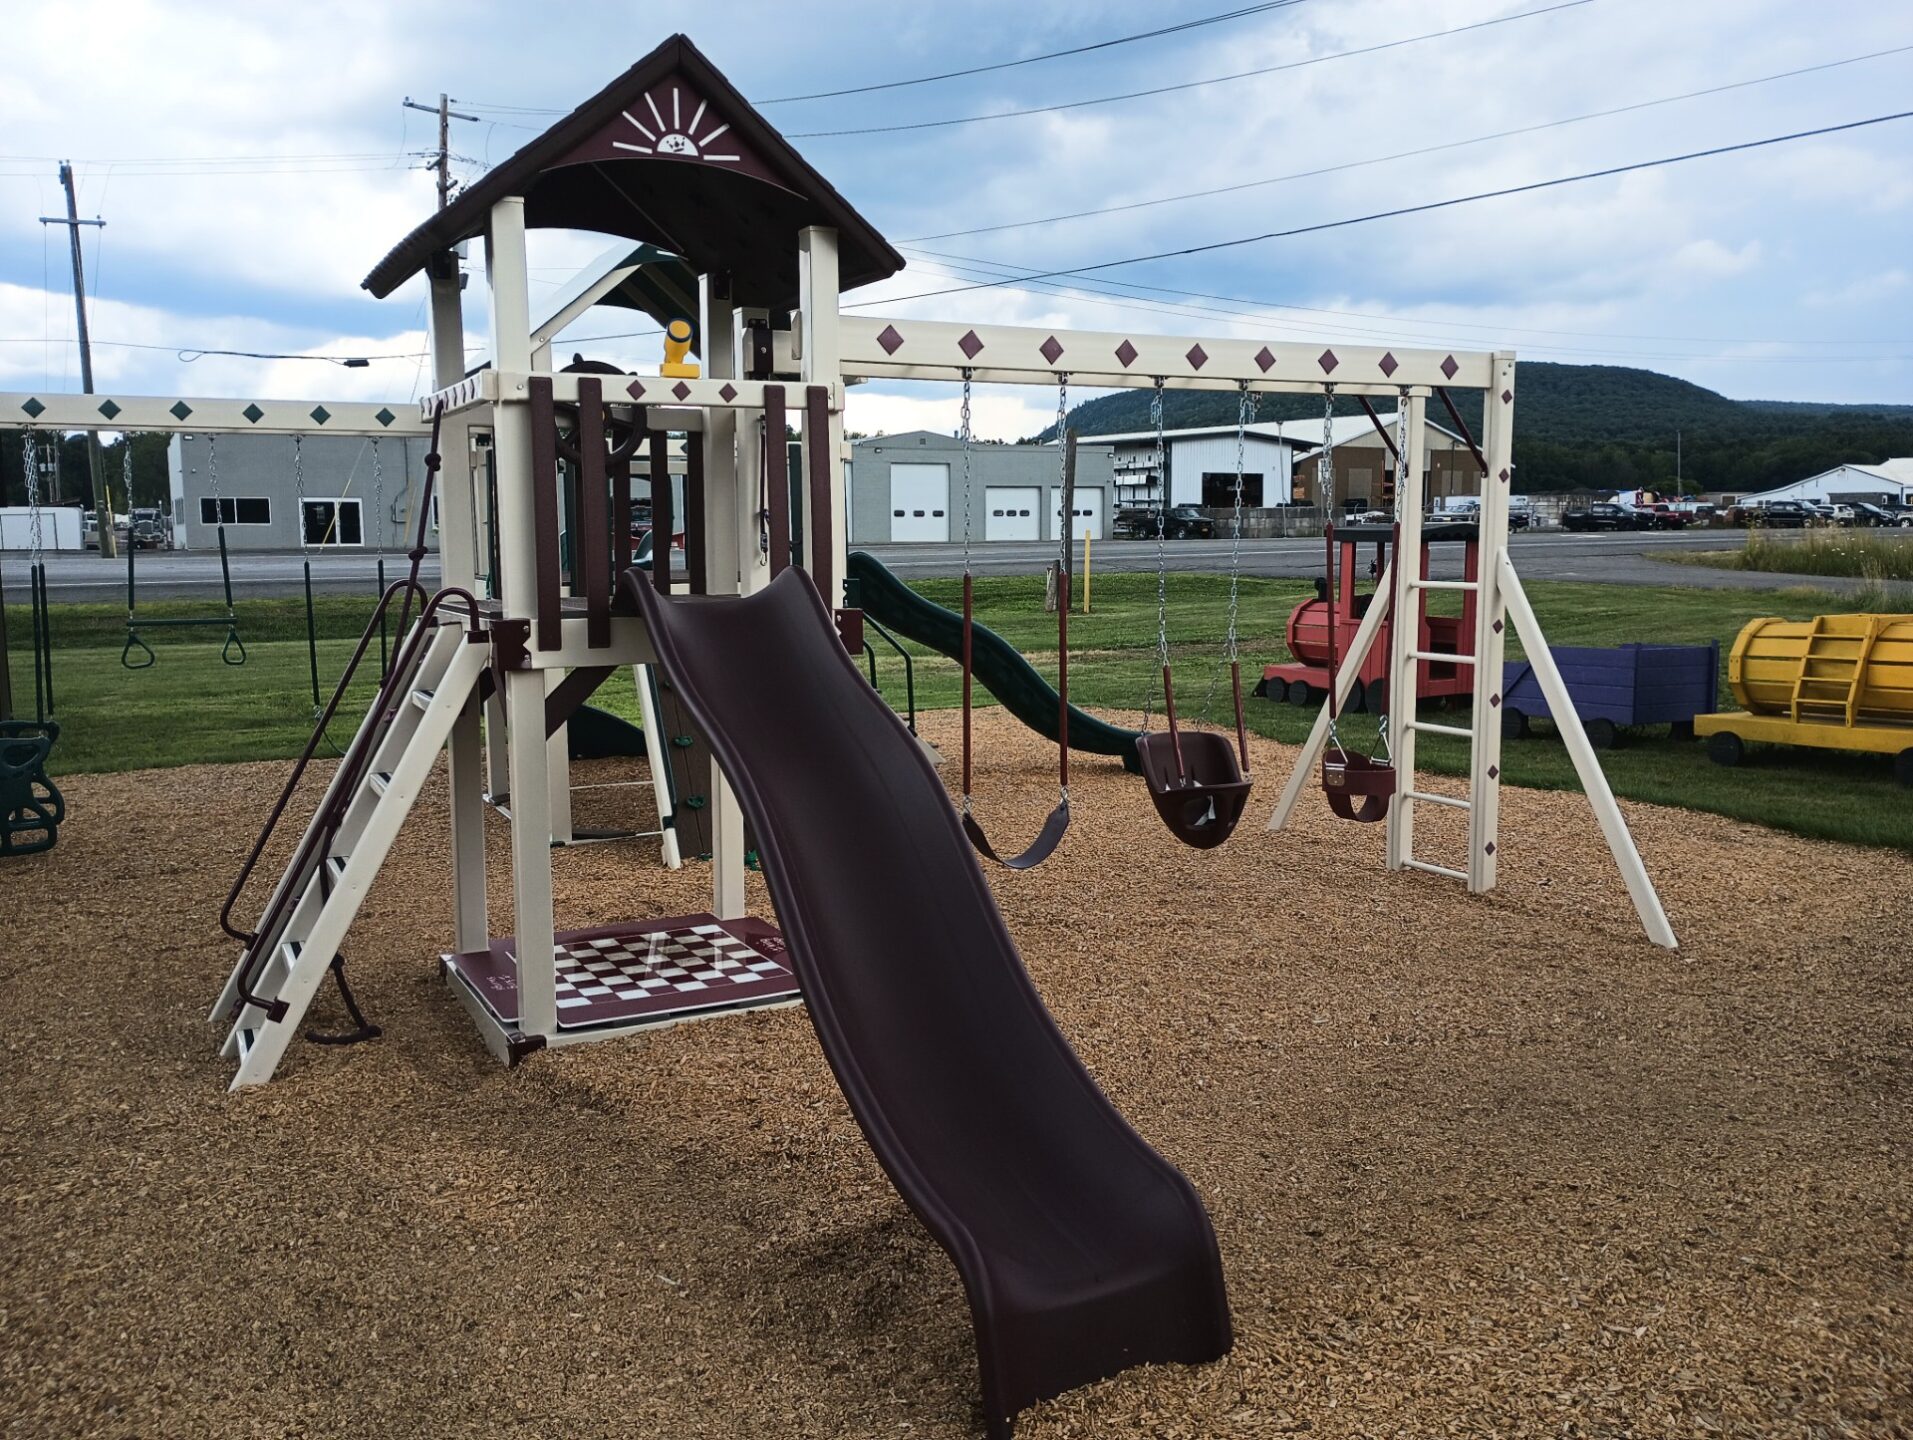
[1433,869]
[378,780]
[1429,727]
[1441,658]
[422,699]
[1444,585]
[1434,799]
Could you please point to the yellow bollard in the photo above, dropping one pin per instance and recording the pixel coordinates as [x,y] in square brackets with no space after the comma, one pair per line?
[1086,572]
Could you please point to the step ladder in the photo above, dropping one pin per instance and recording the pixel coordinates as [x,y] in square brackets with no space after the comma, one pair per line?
[322,888]
[1828,685]
[1404,697]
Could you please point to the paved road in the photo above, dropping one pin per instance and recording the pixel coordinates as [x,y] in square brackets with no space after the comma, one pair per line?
[1550,555]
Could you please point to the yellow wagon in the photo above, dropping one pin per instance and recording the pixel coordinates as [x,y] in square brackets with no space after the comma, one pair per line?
[1836,682]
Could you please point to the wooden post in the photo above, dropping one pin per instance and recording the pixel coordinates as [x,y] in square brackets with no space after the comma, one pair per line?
[1484,761]
[1404,671]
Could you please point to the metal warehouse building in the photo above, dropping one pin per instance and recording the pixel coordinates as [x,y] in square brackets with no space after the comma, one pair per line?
[358,492]
[1888,483]
[909,487]
[1201,464]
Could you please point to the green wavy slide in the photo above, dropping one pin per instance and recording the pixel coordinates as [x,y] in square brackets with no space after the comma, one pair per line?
[995,662]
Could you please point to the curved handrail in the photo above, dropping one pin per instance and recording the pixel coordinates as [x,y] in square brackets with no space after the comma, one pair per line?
[347,779]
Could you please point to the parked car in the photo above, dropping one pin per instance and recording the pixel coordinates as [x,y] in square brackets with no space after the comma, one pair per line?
[1663,516]
[1520,512]
[1601,516]
[1781,515]
[1872,516]
[1182,522]
[1839,514]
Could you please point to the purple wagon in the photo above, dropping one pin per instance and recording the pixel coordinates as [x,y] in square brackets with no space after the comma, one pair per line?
[1627,685]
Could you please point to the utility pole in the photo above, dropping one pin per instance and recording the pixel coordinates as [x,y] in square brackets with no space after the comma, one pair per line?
[442,162]
[102,498]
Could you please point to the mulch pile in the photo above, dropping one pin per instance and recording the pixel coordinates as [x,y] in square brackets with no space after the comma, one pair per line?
[1480,1166]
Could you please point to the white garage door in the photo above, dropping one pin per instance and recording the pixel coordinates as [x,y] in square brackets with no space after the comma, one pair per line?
[920,502]
[1013,512]
[1089,512]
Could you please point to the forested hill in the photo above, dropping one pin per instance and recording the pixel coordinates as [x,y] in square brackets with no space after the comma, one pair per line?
[1601,427]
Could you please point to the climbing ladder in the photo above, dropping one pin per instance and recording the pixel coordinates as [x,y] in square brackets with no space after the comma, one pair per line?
[304,924]
[1828,685]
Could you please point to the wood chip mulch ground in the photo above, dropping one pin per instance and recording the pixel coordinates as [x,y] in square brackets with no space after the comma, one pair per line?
[1480,1166]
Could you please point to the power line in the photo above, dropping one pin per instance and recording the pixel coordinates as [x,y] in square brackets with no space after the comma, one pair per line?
[1422,209]
[1189,84]
[1409,154]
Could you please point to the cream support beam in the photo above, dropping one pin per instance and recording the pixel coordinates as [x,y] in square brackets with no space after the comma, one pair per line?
[1484,765]
[458,566]
[170,414]
[1404,671]
[821,364]
[1640,889]
[518,571]
[721,570]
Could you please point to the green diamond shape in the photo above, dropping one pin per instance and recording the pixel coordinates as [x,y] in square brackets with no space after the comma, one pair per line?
[253,413]
[321,414]
[180,410]
[33,408]
[109,409]
[385,417]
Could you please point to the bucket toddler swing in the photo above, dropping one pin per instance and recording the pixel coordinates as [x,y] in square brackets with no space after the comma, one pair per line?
[1359,787]
[1198,781]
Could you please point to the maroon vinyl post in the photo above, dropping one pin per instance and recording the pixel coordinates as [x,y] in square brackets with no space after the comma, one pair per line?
[1241,725]
[662,524]
[1380,429]
[1062,669]
[1461,427]
[590,550]
[694,566]
[544,512]
[820,473]
[776,480]
[1081,1250]
[621,514]
[1175,736]
[969,625]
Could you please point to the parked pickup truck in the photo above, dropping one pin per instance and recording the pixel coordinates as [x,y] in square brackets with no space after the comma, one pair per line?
[1183,522]
[1604,516]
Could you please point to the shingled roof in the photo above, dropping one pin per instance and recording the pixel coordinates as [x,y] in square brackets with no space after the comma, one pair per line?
[670,154]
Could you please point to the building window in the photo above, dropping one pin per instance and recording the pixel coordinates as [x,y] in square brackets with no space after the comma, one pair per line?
[1219,488]
[332,522]
[235,510]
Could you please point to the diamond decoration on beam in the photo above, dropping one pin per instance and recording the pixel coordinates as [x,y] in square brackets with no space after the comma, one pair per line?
[1449,367]
[1507,397]
[384,416]
[320,414]
[1504,475]
[1494,700]
[1494,772]
[1197,357]
[1264,358]
[681,390]
[180,410]
[109,409]
[1126,353]
[1489,848]
[253,413]
[890,340]
[728,392]
[970,344]
[33,407]
[634,390]
[1327,361]
[1498,625]
[1051,349]
[1390,364]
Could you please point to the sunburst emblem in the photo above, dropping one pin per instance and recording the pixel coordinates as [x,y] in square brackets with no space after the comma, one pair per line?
[674,136]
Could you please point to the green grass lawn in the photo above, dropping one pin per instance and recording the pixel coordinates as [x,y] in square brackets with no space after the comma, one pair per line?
[190,708]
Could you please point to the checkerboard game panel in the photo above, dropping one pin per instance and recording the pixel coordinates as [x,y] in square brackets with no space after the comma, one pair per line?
[653,970]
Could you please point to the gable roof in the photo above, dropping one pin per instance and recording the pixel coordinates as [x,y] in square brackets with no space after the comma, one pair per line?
[670,154]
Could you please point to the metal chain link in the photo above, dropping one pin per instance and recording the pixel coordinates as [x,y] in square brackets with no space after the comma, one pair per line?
[126,480]
[1162,527]
[299,489]
[963,433]
[1401,450]
[378,496]
[30,460]
[1325,465]
[1244,417]
[1068,526]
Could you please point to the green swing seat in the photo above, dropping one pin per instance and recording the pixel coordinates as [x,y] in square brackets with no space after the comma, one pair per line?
[31,806]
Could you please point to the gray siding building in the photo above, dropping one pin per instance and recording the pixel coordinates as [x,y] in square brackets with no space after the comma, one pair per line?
[909,487]
[358,492]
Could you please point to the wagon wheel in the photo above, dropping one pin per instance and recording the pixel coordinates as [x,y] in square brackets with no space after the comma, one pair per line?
[1357,698]
[1903,767]
[1303,694]
[1601,734]
[1681,730]
[1514,724]
[1375,696]
[1726,748]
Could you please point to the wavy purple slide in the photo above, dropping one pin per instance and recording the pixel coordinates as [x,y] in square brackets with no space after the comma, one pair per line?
[1082,1250]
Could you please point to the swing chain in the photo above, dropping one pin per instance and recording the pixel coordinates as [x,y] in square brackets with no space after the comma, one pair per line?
[212,478]
[30,462]
[1401,491]
[1231,654]
[378,496]
[1162,531]
[1068,524]
[126,481]
[963,433]
[1325,465]
[299,489]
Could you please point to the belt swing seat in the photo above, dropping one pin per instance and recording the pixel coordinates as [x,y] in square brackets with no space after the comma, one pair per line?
[1199,783]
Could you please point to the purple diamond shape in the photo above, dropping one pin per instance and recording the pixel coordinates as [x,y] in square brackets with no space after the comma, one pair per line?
[1489,848]
[681,390]
[1126,353]
[1507,397]
[1494,772]
[1494,700]
[1264,358]
[1197,357]
[1449,367]
[1390,364]
[1051,349]
[634,390]
[969,344]
[890,339]
[1504,475]
[1498,627]
[1327,361]
[728,391]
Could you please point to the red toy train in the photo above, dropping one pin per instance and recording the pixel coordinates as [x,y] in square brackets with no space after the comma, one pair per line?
[1305,680]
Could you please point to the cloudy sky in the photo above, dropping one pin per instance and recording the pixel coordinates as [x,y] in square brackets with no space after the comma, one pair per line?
[253,161]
